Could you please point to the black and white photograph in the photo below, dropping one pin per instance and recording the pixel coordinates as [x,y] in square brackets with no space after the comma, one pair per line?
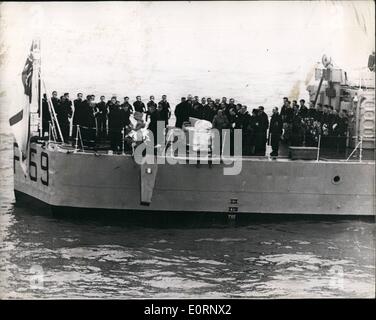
[187,150]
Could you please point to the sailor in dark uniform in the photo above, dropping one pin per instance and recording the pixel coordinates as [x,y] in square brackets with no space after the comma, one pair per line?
[303,109]
[127,105]
[197,110]
[284,108]
[151,105]
[64,113]
[244,124]
[312,112]
[205,111]
[102,118]
[224,101]
[234,124]
[343,123]
[165,112]
[154,115]
[88,121]
[325,123]
[126,109]
[77,114]
[287,113]
[261,134]
[253,129]
[46,116]
[182,113]
[138,105]
[275,131]
[115,124]
[297,130]
[210,112]
[319,112]
[55,100]
[230,105]
[203,101]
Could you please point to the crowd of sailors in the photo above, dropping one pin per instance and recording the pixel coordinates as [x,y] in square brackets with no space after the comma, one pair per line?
[294,124]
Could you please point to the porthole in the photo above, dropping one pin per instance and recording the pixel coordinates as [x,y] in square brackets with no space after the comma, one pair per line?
[336,179]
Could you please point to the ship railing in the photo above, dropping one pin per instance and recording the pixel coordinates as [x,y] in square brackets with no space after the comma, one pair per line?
[358,146]
[318,149]
[52,133]
[78,138]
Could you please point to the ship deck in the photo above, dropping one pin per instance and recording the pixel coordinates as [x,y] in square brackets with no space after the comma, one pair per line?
[326,154]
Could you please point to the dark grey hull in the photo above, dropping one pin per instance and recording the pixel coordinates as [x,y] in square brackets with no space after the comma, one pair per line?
[113,182]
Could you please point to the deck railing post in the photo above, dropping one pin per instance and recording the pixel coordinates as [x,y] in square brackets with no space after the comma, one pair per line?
[79,132]
[122,142]
[318,148]
[76,145]
[361,149]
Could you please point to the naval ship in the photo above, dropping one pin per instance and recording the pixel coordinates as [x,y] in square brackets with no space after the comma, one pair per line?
[66,176]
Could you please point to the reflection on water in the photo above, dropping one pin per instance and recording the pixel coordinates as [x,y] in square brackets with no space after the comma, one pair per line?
[42,256]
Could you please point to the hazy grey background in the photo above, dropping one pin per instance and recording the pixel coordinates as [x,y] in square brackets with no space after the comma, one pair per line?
[256,52]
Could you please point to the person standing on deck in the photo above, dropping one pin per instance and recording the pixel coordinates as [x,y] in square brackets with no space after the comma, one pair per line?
[55,100]
[287,113]
[234,124]
[165,111]
[297,130]
[46,115]
[77,114]
[203,101]
[64,113]
[87,122]
[319,112]
[115,125]
[312,112]
[244,125]
[197,111]
[220,122]
[151,105]
[275,131]
[263,123]
[154,118]
[294,105]
[210,111]
[139,106]
[127,104]
[253,130]
[303,109]
[284,107]
[224,101]
[102,118]
[182,113]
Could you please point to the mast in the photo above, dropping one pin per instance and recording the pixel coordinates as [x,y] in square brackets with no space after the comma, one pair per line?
[35,105]
[40,105]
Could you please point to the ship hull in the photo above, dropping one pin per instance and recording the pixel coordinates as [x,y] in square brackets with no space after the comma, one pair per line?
[101,181]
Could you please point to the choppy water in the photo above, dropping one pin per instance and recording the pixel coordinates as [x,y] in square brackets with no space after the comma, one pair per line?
[46,257]
[227,54]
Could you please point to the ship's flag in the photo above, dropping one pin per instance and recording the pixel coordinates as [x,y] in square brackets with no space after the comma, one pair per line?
[20,122]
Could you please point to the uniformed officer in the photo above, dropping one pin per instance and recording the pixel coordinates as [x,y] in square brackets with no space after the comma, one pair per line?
[165,112]
[275,131]
[102,117]
[138,105]
[64,113]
